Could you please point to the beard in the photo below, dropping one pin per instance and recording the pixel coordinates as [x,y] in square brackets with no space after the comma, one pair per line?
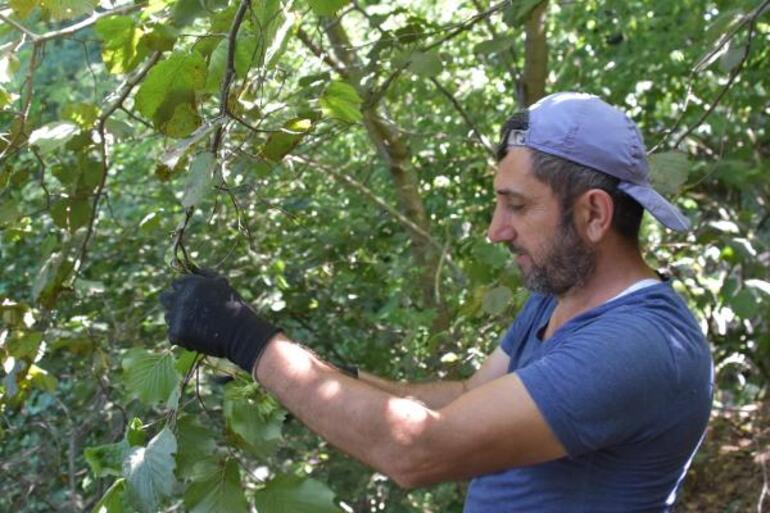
[565,264]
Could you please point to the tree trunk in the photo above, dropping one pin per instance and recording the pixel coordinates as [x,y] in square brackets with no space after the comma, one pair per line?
[395,152]
[535,56]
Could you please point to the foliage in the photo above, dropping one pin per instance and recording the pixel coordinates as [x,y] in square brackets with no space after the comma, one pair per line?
[333,159]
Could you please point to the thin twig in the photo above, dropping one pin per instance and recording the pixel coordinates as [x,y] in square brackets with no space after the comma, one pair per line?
[75,27]
[232,37]
[361,188]
[123,91]
[464,114]
[749,18]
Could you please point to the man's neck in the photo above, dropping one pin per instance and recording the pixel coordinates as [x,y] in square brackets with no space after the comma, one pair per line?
[615,271]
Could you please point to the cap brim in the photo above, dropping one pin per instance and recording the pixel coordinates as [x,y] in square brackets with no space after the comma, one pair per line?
[657,205]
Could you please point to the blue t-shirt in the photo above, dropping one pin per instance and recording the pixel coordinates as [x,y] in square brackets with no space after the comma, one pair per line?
[626,388]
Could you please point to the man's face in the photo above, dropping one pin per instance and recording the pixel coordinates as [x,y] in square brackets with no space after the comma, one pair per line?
[552,256]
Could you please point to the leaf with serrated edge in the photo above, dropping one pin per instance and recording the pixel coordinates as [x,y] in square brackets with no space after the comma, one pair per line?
[217,492]
[150,376]
[195,444]
[149,472]
[292,494]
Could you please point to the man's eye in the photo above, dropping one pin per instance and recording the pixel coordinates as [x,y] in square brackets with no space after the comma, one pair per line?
[515,208]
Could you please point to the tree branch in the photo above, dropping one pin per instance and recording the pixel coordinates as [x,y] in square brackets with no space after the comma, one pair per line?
[368,193]
[68,31]
[224,93]
[333,63]
[751,19]
[123,91]
[464,114]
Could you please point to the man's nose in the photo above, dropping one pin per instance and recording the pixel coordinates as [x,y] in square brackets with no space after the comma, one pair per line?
[500,229]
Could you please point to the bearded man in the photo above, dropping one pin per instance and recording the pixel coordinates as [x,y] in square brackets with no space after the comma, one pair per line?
[599,393]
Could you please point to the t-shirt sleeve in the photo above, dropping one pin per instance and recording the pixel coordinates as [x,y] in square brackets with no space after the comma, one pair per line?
[605,384]
[517,332]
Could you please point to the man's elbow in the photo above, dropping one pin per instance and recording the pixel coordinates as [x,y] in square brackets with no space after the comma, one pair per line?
[417,467]
[415,456]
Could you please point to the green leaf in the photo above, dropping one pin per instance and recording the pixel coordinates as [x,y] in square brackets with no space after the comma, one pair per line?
[427,64]
[68,9]
[160,38]
[49,279]
[172,157]
[341,101]
[22,8]
[5,98]
[41,379]
[744,304]
[82,113]
[53,135]
[219,491]
[326,7]
[24,344]
[79,213]
[150,376]
[185,362]
[497,300]
[113,501]
[121,48]
[168,94]
[280,144]
[495,45]
[107,460]
[244,52]
[199,182]
[668,171]
[135,435]
[195,445]
[149,472]
[292,494]
[254,428]
[9,211]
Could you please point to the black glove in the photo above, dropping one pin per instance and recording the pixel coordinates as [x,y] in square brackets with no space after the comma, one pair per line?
[205,314]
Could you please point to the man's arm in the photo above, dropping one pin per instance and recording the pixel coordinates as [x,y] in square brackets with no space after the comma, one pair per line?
[495,425]
[438,394]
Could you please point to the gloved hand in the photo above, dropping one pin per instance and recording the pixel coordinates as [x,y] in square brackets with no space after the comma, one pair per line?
[205,314]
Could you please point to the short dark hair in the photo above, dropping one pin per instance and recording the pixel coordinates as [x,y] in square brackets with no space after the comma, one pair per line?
[569,180]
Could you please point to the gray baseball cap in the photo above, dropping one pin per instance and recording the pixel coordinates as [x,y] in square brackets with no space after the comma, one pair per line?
[584,129]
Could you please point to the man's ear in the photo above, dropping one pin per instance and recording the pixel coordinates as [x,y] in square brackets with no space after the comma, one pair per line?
[593,214]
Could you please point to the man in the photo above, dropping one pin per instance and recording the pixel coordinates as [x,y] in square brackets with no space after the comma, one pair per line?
[600,391]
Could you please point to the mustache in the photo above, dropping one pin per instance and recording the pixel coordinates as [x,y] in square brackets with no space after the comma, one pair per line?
[516,250]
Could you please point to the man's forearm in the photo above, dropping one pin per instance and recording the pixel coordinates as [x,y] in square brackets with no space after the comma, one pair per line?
[434,395]
[363,420]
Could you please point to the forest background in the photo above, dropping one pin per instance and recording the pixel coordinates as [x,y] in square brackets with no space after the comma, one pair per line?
[334,159]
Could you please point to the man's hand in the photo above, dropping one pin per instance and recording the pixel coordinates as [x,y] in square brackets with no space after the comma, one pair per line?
[205,314]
